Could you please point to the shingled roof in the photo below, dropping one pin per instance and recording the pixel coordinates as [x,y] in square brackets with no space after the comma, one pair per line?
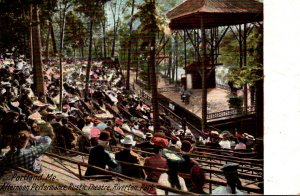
[215,13]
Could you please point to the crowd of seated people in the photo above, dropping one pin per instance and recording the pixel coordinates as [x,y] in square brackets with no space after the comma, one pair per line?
[108,115]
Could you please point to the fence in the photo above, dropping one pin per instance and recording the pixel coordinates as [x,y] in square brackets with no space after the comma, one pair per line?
[232,112]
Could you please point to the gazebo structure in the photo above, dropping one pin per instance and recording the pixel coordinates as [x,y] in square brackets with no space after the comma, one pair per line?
[214,18]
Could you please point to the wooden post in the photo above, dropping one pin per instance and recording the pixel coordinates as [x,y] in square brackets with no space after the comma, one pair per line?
[203,70]
[185,58]
[79,170]
[245,64]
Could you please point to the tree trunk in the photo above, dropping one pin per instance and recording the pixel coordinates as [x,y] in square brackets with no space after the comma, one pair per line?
[154,99]
[31,44]
[137,59]
[149,77]
[82,52]
[52,36]
[37,52]
[129,49]
[104,39]
[61,74]
[47,43]
[74,53]
[89,65]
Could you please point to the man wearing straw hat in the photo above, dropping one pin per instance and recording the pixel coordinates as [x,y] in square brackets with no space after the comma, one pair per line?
[127,155]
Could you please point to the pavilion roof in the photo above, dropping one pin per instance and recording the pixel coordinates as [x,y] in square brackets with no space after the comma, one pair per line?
[215,13]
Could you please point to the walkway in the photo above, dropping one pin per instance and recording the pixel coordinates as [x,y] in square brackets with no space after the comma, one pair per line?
[216,98]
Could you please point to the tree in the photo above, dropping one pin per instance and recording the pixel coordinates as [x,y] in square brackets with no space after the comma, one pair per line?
[252,74]
[75,32]
[93,9]
[37,52]
[117,10]
[151,22]
[65,5]
[129,48]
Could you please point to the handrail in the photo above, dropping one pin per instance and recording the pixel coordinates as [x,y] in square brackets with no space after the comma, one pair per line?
[148,98]
[231,112]
[209,155]
[199,148]
[207,170]
[187,176]
[150,153]
[121,175]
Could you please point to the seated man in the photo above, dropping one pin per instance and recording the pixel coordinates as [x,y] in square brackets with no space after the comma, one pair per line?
[20,156]
[99,156]
[127,155]
[146,145]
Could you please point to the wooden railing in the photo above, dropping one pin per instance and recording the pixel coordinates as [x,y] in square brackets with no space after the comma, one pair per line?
[222,86]
[232,112]
[210,181]
[115,174]
[146,97]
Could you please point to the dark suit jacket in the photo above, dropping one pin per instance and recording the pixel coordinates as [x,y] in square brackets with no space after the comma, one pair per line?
[130,157]
[100,158]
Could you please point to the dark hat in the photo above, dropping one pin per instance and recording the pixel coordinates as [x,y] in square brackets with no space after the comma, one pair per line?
[230,168]
[105,136]
[22,137]
[172,156]
[186,146]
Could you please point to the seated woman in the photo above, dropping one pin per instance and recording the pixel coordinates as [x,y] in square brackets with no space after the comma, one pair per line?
[198,180]
[171,178]
[233,181]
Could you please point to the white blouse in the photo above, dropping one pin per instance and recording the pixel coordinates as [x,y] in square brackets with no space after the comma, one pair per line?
[163,180]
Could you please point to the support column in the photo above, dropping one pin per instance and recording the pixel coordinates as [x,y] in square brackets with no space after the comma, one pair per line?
[245,64]
[185,59]
[203,70]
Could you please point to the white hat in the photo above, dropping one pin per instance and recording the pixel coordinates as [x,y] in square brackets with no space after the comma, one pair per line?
[214,132]
[128,140]
[188,132]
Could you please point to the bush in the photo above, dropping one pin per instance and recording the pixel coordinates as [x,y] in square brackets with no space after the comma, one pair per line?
[235,102]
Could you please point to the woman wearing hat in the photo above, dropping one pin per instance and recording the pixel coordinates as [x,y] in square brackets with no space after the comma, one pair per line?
[198,179]
[233,181]
[171,178]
